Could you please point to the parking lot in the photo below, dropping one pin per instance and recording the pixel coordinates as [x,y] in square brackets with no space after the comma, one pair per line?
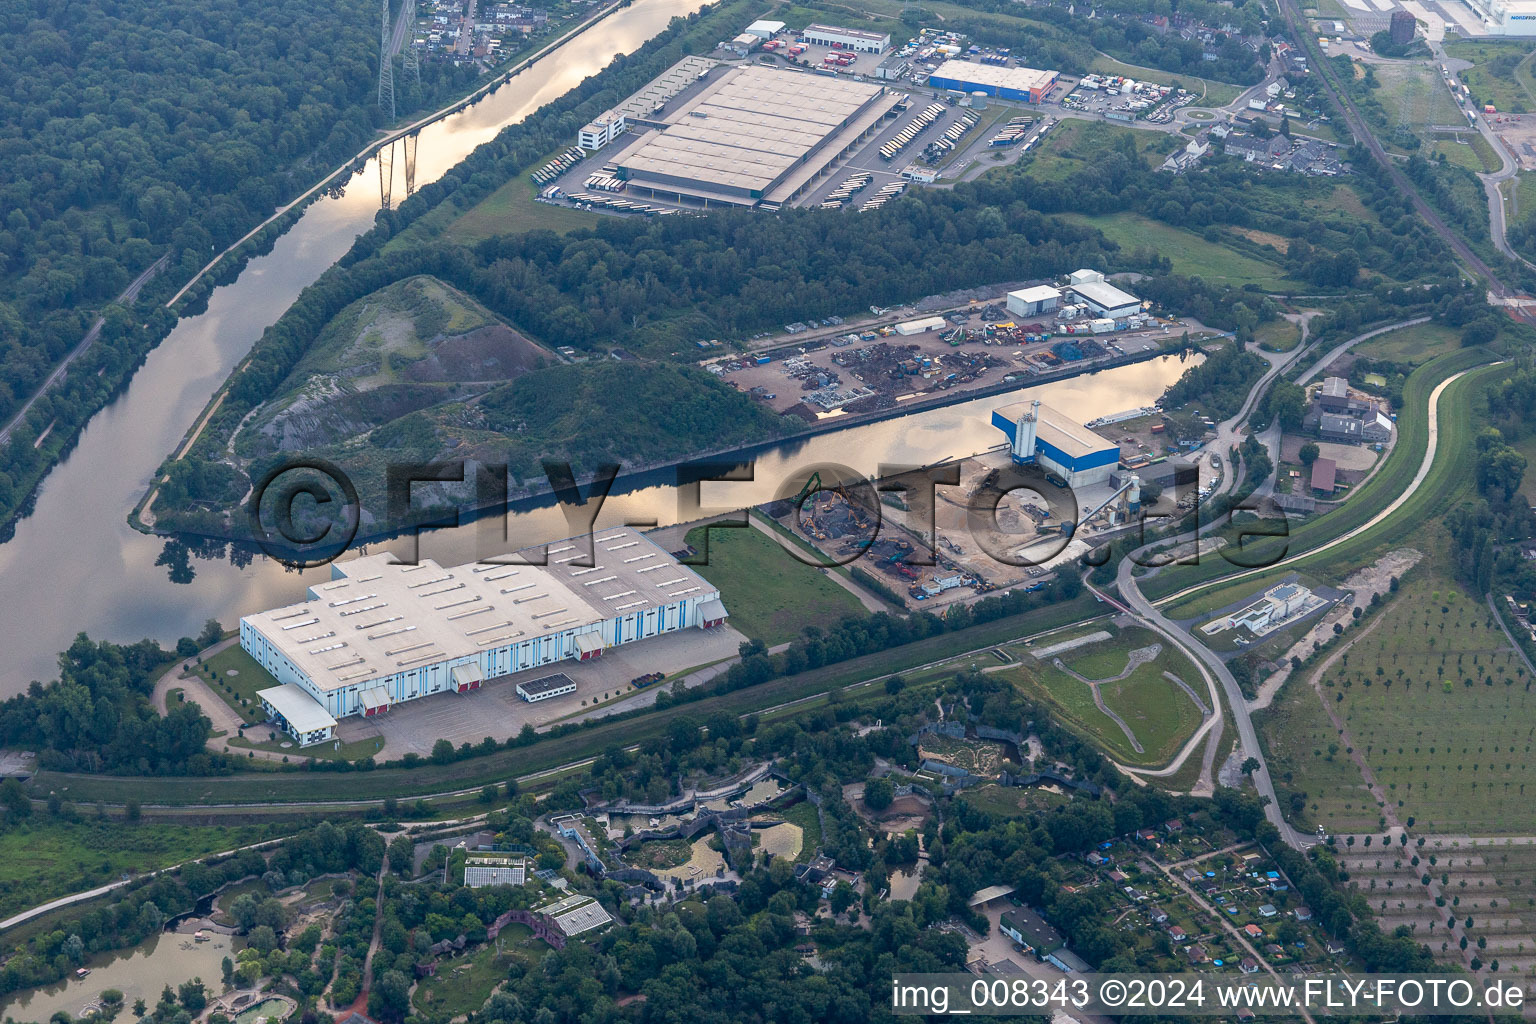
[495,710]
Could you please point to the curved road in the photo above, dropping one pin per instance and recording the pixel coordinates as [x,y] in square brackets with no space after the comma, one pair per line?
[1131,593]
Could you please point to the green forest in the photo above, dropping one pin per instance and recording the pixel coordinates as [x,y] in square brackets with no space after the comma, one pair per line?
[151,134]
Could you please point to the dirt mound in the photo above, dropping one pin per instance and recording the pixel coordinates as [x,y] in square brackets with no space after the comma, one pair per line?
[493,352]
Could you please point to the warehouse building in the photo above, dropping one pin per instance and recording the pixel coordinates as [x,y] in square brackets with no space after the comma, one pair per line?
[847,38]
[1041,436]
[1102,297]
[754,136]
[1027,85]
[1033,301]
[765,29]
[381,632]
[1506,17]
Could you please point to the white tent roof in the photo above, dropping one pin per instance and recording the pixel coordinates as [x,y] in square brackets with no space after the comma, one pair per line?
[300,710]
[589,642]
[466,673]
[713,609]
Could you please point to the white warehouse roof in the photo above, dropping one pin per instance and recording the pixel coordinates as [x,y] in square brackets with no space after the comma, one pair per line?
[1105,295]
[300,710]
[1039,293]
[990,75]
[765,28]
[380,617]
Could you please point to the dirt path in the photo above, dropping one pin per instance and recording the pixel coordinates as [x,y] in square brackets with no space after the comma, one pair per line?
[1137,658]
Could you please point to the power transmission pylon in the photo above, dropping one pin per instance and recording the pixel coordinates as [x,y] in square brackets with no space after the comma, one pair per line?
[412,65]
[386,68]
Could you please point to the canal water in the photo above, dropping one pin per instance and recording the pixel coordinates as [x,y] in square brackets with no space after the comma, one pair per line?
[84,569]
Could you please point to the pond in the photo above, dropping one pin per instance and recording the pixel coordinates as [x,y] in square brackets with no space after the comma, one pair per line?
[169,958]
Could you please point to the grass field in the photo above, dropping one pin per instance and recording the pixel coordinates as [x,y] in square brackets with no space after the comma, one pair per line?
[1477,155]
[1011,801]
[1415,97]
[513,208]
[1417,344]
[1344,199]
[771,594]
[1160,714]
[803,814]
[1074,145]
[1502,71]
[47,858]
[235,676]
[462,986]
[1278,336]
[1190,253]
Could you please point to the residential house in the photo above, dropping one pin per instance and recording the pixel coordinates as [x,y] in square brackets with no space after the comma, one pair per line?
[1248,965]
[1303,913]
[1268,910]
[1253,931]
[1177,934]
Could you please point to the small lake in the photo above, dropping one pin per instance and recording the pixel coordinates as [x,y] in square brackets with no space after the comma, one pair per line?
[169,958]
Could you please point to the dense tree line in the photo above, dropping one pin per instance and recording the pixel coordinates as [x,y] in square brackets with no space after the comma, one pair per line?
[150,127]
[1219,385]
[98,716]
[132,915]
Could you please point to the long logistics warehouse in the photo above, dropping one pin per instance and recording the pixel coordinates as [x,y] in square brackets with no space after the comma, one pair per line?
[754,135]
[381,632]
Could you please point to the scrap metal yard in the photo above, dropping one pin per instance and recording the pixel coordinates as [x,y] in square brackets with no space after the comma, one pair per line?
[982,348]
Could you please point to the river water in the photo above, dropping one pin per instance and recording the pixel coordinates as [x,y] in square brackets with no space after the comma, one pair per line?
[75,565]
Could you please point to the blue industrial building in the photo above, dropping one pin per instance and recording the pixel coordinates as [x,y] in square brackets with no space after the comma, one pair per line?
[1039,435]
[1027,85]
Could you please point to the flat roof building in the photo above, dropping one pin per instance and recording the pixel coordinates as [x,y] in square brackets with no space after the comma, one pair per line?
[1027,85]
[754,135]
[1102,297]
[765,29]
[1043,436]
[847,38]
[546,687]
[1033,301]
[1029,930]
[382,632]
[293,711]
[1506,17]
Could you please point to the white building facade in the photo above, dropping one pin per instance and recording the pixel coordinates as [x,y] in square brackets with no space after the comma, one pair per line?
[381,633]
[847,38]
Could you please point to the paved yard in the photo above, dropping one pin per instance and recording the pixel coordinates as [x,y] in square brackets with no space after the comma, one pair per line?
[497,711]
